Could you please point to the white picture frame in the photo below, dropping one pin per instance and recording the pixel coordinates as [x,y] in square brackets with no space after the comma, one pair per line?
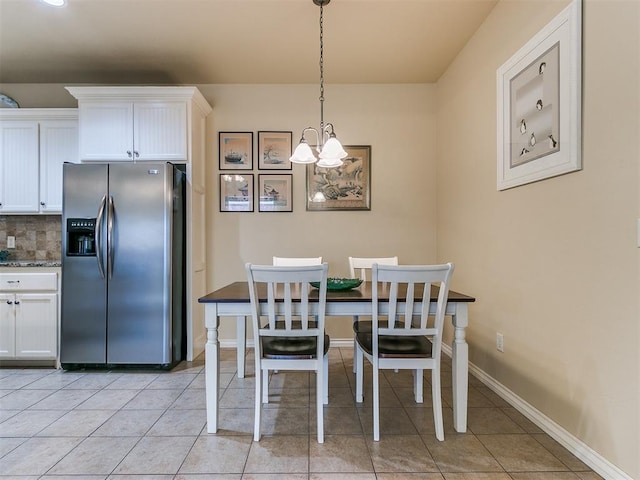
[539,95]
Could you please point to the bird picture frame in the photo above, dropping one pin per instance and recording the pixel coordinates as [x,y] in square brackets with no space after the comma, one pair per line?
[539,104]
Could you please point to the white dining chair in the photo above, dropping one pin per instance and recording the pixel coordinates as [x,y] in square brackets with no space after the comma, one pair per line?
[358,268]
[402,338]
[284,343]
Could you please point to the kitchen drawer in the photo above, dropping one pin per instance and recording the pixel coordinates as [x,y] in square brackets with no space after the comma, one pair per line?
[28,281]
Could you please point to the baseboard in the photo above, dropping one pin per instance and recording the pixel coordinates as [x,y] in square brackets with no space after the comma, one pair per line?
[582,451]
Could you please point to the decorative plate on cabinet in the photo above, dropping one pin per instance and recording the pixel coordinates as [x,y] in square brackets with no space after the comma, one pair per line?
[7,102]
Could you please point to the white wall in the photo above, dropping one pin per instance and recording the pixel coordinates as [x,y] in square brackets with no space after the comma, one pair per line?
[398,121]
[553,264]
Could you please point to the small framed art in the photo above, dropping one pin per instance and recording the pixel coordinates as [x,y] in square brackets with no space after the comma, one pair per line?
[236,192]
[275,193]
[235,150]
[347,187]
[274,150]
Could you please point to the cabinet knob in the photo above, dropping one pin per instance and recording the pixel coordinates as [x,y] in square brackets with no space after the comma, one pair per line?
[17,302]
[135,152]
[42,204]
[9,302]
[129,153]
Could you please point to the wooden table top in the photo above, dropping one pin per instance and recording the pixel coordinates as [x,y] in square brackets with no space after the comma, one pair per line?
[238,292]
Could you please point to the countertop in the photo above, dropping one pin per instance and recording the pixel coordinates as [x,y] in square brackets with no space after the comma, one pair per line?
[31,263]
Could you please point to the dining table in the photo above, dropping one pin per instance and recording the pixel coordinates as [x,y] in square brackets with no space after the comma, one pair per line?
[232,301]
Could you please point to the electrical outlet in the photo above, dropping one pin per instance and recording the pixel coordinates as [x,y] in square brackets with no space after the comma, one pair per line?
[11,242]
[500,342]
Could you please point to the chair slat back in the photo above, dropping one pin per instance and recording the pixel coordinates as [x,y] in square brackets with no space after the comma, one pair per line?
[399,310]
[359,266]
[296,261]
[288,287]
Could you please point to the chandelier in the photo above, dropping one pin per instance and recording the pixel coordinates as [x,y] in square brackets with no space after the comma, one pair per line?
[329,149]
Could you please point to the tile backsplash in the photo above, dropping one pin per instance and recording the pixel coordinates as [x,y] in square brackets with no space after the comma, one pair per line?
[38,237]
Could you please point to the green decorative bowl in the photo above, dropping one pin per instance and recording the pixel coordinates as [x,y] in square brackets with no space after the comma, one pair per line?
[336,284]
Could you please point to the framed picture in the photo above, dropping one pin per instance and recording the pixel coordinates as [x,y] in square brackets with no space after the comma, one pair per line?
[347,187]
[275,193]
[274,150]
[235,150]
[539,104]
[236,192]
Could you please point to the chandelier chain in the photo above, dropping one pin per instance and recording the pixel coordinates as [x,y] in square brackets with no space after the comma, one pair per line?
[321,69]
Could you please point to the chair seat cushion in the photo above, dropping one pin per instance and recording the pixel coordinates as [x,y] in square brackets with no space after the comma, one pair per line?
[391,346]
[364,326]
[290,348]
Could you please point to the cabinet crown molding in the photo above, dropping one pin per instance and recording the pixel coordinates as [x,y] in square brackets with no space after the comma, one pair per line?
[39,114]
[145,93]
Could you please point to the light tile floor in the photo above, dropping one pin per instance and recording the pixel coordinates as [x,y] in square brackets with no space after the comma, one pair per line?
[151,425]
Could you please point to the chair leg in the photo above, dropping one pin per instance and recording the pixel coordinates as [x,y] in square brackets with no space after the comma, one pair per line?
[325,381]
[320,393]
[258,406]
[418,380]
[376,404]
[437,404]
[355,350]
[359,362]
[265,386]
[355,346]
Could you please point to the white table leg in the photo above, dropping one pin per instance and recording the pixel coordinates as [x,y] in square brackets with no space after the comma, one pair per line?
[241,347]
[212,366]
[460,367]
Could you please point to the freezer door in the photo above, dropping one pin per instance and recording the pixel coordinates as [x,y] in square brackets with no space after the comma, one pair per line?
[139,260]
[84,288]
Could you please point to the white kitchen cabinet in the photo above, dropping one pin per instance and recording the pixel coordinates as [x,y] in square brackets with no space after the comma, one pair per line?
[19,166]
[58,144]
[144,130]
[138,123]
[34,144]
[28,316]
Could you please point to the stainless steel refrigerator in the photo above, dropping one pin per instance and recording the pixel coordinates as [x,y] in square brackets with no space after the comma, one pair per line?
[123,256]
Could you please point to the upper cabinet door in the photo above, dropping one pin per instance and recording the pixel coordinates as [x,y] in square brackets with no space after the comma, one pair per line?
[19,167]
[58,144]
[160,131]
[106,131]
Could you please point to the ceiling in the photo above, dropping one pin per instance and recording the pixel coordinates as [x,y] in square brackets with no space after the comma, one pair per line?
[233,41]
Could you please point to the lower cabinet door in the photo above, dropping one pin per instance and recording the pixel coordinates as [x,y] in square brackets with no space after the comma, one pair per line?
[7,325]
[36,334]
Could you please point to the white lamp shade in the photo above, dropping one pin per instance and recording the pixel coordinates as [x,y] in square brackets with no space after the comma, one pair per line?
[332,149]
[303,154]
[329,162]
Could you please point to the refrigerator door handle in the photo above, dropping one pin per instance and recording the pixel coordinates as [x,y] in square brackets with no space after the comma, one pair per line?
[110,246]
[98,235]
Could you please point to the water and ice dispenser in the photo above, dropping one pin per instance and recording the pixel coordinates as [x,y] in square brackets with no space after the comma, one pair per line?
[81,241]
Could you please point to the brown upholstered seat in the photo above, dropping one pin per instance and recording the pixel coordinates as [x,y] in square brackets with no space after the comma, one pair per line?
[393,346]
[291,347]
